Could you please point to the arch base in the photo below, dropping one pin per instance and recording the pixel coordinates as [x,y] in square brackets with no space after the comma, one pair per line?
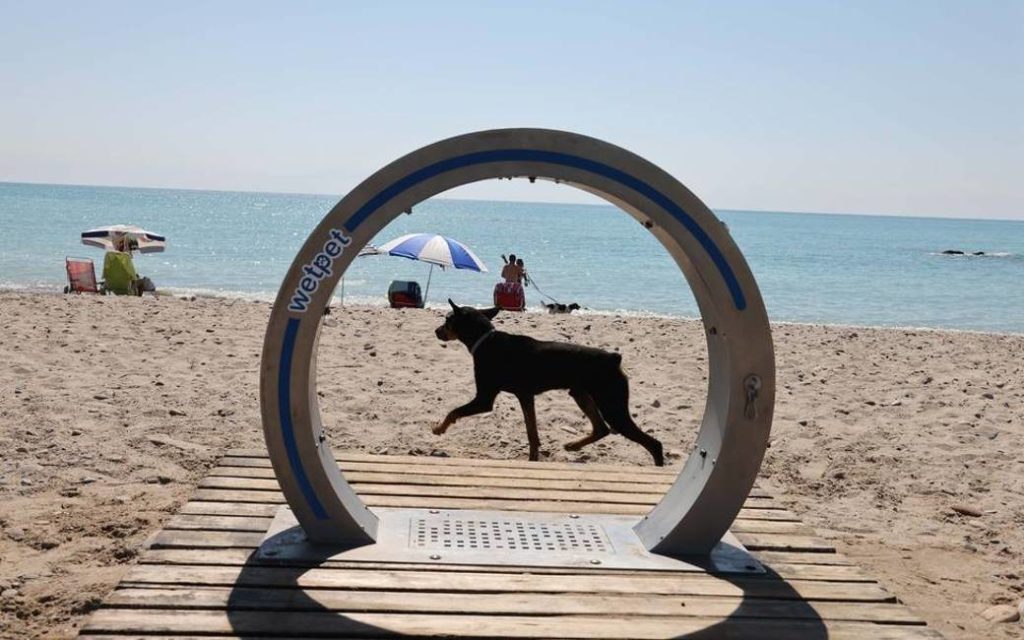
[405,536]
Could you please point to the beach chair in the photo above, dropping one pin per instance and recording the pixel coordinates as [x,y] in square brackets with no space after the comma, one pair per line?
[81,276]
[119,275]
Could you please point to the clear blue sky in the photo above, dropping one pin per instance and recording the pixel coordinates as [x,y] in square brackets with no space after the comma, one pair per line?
[913,107]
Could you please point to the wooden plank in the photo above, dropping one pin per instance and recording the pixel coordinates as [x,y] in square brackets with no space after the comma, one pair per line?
[231,467]
[270,497]
[403,460]
[261,524]
[801,557]
[200,507]
[206,539]
[180,539]
[443,502]
[123,621]
[508,490]
[243,556]
[476,582]
[436,474]
[498,493]
[504,603]
[218,523]
[784,542]
[435,477]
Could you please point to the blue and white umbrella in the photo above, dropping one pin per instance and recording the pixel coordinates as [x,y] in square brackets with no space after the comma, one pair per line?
[435,250]
[141,240]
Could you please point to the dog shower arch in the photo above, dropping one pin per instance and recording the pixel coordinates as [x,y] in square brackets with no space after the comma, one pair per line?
[714,482]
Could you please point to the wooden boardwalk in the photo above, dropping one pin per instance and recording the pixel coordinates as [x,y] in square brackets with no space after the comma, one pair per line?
[199,578]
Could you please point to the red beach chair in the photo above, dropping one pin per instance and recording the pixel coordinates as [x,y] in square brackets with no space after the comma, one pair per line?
[81,276]
[509,296]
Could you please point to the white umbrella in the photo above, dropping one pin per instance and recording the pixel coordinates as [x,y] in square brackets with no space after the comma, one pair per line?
[368,250]
[434,250]
[144,241]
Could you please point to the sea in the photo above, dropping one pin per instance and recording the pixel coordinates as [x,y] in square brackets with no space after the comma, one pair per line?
[854,270]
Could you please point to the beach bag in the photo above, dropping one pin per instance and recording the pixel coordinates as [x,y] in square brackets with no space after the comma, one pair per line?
[402,294]
[509,296]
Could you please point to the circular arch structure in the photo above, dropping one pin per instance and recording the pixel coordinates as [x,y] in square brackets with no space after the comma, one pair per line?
[716,479]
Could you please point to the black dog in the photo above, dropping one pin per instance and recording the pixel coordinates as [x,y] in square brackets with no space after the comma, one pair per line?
[526,367]
[558,307]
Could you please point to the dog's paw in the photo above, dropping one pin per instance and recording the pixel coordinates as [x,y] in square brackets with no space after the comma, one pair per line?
[439,429]
[573,446]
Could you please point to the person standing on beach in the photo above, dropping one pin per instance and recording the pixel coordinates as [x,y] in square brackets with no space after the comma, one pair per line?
[509,294]
[524,278]
[513,270]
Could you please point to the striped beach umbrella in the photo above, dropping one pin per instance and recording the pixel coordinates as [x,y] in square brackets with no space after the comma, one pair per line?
[141,240]
[436,250]
[433,249]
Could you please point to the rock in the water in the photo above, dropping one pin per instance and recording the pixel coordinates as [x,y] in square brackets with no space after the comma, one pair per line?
[1001,613]
[952,252]
[965,510]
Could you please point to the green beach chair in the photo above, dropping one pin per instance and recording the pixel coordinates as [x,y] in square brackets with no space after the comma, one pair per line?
[119,275]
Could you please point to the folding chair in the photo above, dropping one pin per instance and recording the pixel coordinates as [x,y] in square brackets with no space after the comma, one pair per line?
[81,276]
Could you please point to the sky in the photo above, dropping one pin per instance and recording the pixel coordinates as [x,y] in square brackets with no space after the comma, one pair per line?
[895,107]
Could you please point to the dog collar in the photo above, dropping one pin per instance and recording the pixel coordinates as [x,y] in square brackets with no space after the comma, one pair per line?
[479,340]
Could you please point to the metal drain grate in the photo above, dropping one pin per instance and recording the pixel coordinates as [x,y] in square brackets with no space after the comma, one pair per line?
[508,535]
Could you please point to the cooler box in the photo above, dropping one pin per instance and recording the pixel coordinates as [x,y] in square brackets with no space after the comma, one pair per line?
[509,296]
[403,293]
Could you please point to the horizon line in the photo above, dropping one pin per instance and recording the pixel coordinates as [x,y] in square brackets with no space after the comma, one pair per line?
[545,202]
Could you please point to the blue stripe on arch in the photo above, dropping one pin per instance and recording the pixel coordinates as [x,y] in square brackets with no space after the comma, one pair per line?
[553,157]
[284,379]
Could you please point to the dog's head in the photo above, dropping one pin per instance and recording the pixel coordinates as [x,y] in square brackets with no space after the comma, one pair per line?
[465,322]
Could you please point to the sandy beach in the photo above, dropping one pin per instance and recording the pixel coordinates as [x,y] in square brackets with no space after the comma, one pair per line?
[112,409]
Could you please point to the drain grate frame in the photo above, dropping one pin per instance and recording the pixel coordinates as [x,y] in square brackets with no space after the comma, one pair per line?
[507,534]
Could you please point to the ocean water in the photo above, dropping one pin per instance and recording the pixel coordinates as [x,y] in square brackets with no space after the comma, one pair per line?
[835,269]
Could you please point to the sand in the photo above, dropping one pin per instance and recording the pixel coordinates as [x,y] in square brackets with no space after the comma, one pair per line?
[112,409]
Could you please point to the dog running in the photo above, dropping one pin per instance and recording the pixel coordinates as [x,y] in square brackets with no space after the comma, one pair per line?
[526,367]
[558,307]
